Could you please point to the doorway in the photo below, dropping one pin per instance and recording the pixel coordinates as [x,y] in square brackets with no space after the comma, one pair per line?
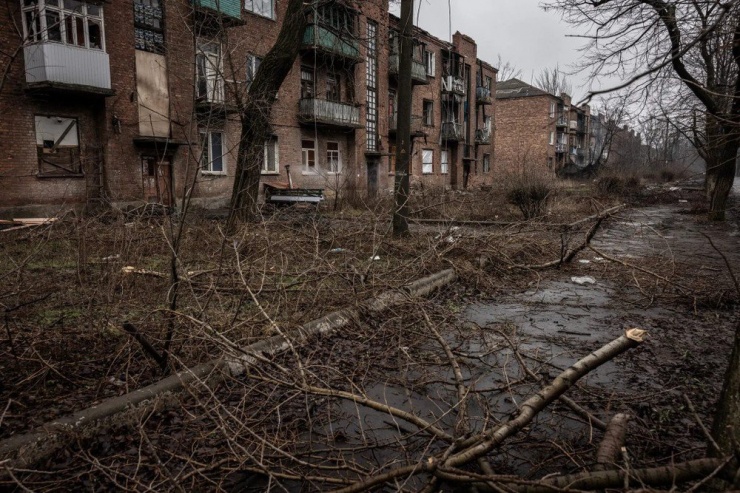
[157,179]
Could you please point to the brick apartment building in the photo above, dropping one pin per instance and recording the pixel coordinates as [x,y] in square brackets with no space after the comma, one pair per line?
[137,101]
[540,132]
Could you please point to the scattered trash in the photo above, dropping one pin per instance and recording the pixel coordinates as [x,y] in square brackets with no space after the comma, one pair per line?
[598,259]
[582,280]
[674,189]
[584,261]
[377,257]
[111,257]
[26,222]
[337,250]
[683,201]
[133,270]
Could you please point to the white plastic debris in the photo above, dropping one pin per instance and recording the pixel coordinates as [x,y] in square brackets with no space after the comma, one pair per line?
[584,261]
[582,280]
[683,201]
[674,189]
[377,257]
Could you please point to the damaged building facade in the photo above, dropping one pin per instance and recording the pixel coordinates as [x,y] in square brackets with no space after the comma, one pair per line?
[137,101]
[540,132]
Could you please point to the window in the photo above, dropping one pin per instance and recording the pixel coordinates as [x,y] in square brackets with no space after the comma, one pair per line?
[308,152]
[552,109]
[71,22]
[337,17]
[253,64]
[265,8]
[333,89]
[552,138]
[58,146]
[444,162]
[209,71]
[486,163]
[488,83]
[307,83]
[212,157]
[148,26]
[429,63]
[333,161]
[270,161]
[372,138]
[428,113]
[427,161]
[392,159]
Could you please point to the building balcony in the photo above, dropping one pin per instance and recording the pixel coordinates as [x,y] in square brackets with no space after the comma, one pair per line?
[225,12]
[453,85]
[573,125]
[483,95]
[315,111]
[56,66]
[418,70]
[560,148]
[329,43]
[452,132]
[561,121]
[417,125]
[482,136]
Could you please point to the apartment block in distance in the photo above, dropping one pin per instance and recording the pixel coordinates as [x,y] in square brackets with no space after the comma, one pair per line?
[539,132]
[137,101]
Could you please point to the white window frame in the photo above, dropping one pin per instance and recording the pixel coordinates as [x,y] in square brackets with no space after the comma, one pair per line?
[427,161]
[552,138]
[335,153]
[276,148]
[444,160]
[553,109]
[249,6]
[207,157]
[430,63]
[214,75]
[428,103]
[306,169]
[486,163]
[31,35]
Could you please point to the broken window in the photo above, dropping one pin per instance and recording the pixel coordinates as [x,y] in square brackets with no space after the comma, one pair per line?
[265,8]
[71,22]
[58,146]
[333,90]
[210,83]
[427,161]
[213,157]
[253,64]
[270,160]
[149,26]
[307,83]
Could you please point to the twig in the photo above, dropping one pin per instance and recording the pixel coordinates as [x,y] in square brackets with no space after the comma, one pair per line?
[704,429]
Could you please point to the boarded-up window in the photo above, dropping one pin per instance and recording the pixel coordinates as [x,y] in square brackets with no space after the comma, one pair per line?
[58,146]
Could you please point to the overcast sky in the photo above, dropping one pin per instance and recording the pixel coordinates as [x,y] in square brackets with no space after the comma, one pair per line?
[519,30]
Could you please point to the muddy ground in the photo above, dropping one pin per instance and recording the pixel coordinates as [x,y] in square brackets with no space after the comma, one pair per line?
[650,267]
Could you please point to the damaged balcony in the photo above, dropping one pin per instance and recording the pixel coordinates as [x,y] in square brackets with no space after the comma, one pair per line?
[452,132]
[483,95]
[453,89]
[60,67]
[225,13]
[418,70]
[482,136]
[314,111]
[417,127]
[332,32]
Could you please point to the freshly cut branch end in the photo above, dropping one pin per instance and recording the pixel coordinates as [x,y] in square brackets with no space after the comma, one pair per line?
[635,334]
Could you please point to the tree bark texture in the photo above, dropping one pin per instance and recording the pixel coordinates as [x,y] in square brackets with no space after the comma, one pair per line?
[726,425]
[255,114]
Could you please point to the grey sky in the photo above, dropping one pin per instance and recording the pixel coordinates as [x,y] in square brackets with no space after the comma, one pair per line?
[519,30]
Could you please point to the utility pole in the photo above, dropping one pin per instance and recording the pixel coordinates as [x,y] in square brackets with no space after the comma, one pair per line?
[403,149]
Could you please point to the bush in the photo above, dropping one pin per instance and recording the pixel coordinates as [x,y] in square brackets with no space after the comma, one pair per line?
[618,184]
[530,195]
[667,175]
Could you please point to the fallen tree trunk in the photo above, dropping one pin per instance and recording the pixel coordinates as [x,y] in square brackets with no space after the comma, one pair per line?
[611,444]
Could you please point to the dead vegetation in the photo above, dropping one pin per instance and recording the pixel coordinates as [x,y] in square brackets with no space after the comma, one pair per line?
[418,399]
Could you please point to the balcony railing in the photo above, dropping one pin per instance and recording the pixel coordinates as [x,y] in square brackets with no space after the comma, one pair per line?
[418,70]
[323,39]
[483,95]
[417,124]
[482,136]
[229,10]
[332,113]
[573,124]
[453,85]
[452,131]
[561,121]
[63,66]
[560,148]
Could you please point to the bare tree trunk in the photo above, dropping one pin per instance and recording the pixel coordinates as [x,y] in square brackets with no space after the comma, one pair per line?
[726,426]
[403,151]
[720,175]
[255,114]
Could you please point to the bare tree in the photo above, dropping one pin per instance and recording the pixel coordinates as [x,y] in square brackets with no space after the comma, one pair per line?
[506,69]
[554,81]
[695,44]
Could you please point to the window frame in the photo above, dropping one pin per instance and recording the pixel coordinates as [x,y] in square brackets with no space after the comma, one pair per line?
[308,83]
[487,162]
[213,76]
[253,65]
[305,168]
[424,163]
[427,103]
[252,10]
[39,31]
[444,162]
[430,63]
[206,168]
[338,158]
[272,141]
[75,151]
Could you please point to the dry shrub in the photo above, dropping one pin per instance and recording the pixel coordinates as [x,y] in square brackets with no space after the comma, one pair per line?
[615,184]
[530,193]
